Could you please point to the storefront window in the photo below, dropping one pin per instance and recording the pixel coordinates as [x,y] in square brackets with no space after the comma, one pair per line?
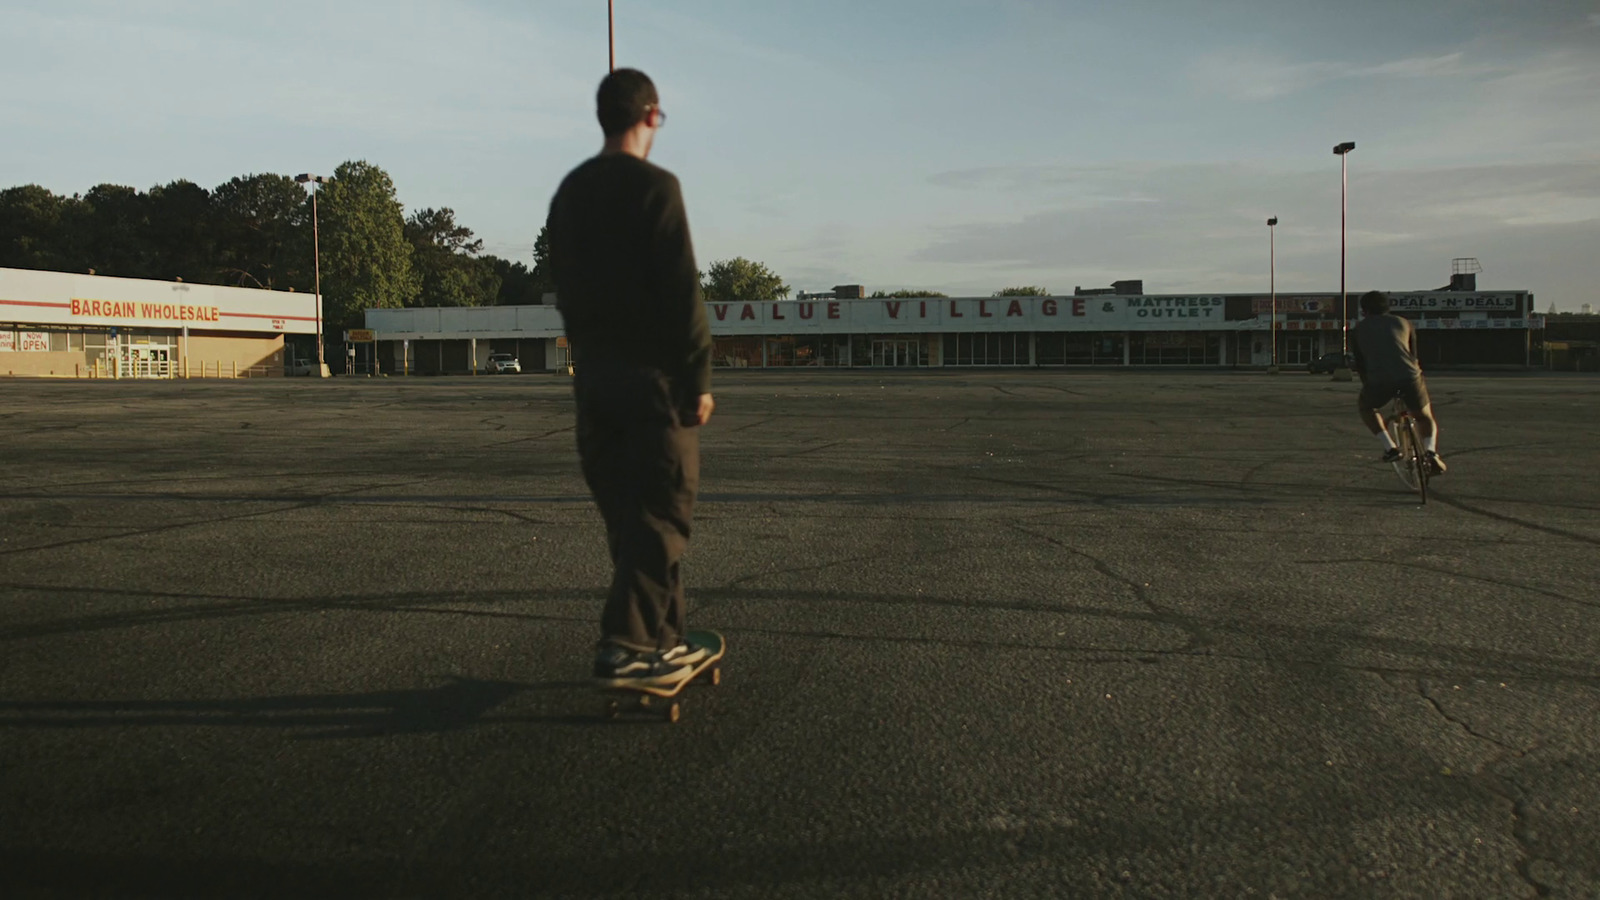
[1174,348]
[1078,348]
[736,352]
[1002,349]
[808,350]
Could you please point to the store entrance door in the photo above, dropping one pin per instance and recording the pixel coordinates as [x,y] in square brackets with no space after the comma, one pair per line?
[1300,349]
[145,361]
[896,353]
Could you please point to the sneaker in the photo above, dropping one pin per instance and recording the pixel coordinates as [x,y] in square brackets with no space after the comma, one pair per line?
[1436,465]
[685,654]
[619,666]
[1391,455]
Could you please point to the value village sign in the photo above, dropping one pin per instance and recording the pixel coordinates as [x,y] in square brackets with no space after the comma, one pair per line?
[1092,313]
[946,314]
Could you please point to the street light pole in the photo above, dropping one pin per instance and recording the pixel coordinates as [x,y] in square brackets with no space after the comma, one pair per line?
[1272,268]
[611,31]
[1343,152]
[316,261]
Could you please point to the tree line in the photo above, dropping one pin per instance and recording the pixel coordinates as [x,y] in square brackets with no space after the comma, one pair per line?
[255,231]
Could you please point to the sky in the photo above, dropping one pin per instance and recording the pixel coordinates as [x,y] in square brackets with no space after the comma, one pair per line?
[955,145]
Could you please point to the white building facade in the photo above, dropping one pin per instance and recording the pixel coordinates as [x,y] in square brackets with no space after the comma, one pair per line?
[1476,328]
[64,325]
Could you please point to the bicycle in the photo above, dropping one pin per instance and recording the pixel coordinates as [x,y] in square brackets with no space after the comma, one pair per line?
[1412,466]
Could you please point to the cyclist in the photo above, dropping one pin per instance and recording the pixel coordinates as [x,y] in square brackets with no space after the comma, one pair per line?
[1385,350]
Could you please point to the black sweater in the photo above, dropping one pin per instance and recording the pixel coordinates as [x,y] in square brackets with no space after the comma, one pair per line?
[626,281]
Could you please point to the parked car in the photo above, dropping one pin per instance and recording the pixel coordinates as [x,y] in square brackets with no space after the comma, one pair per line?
[1328,362]
[502,363]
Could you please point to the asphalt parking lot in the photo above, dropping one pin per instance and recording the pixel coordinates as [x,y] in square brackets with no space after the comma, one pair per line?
[991,634]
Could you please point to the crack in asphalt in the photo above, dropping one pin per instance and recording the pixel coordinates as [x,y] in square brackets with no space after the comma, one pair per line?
[1200,639]
[1501,787]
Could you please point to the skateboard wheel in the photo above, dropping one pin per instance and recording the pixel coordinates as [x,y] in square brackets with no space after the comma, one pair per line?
[644,700]
[716,675]
[613,709]
[674,712]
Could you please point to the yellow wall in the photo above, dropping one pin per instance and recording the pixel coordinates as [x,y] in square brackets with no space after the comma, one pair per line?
[60,364]
[211,350]
[220,355]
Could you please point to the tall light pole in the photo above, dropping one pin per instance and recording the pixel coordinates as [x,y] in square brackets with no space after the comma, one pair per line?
[316,262]
[1272,269]
[1343,152]
[611,31]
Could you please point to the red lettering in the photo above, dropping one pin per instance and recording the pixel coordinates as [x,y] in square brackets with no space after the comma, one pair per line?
[894,308]
[777,316]
[807,310]
[748,313]
[1048,307]
[955,313]
[721,310]
[983,310]
[1015,309]
[833,310]
[924,309]
[1077,306]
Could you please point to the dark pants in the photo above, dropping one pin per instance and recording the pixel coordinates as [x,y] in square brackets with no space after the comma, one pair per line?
[643,468]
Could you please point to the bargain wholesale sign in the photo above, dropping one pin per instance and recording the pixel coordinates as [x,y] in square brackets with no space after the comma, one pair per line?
[64,298]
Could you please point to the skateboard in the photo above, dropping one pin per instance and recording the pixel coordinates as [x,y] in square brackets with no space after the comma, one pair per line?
[650,699]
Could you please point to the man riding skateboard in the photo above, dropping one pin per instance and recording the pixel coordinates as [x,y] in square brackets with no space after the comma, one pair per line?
[629,294]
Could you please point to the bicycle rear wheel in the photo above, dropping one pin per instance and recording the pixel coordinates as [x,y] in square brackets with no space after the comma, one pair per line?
[1409,466]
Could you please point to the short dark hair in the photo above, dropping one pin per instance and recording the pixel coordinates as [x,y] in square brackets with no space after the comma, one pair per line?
[1374,303]
[624,99]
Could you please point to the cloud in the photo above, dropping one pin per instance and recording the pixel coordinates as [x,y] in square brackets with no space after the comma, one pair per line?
[1252,76]
[1205,229]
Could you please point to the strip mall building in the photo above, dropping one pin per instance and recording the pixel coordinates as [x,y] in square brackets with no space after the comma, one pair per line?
[62,324]
[1455,328]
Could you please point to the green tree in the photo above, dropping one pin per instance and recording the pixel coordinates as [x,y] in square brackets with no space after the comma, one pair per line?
[518,285]
[366,260]
[40,229]
[183,234]
[116,232]
[445,257]
[1024,291]
[897,295]
[740,279]
[542,279]
[263,225]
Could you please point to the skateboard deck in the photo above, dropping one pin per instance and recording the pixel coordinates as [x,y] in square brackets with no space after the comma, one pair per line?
[665,699]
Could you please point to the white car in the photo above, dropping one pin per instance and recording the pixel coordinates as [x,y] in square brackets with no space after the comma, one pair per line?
[501,363]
